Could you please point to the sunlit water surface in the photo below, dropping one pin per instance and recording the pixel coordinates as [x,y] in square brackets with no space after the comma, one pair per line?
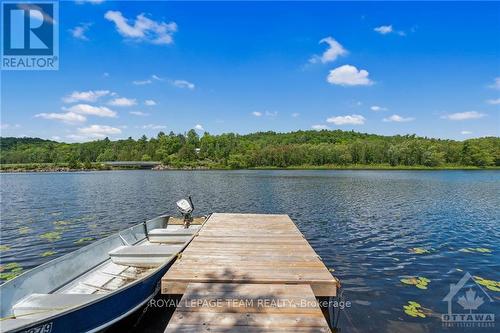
[362,224]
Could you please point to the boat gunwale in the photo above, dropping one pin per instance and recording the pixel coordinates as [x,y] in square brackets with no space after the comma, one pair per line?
[111,293]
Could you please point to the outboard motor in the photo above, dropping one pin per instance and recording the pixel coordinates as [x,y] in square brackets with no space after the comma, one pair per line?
[186,208]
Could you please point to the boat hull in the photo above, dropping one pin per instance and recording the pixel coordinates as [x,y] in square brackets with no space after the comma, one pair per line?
[79,272]
[102,313]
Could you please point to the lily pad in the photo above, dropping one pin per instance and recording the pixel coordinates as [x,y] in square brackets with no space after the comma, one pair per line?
[414,309]
[418,281]
[51,236]
[59,223]
[493,288]
[411,281]
[48,253]
[490,284]
[83,240]
[11,266]
[10,271]
[418,250]
[9,275]
[475,250]
[411,312]
[24,230]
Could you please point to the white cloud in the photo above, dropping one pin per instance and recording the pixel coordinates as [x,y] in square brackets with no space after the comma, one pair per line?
[348,75]
[465,132]
[154,126]
[335,49]
[142,82]
[377,108]
[150,102]
[157,78]
[388,29]
[493,101]
[183,84]
[354,119]
[9,126]
[464,115]
[319,127]
[99,131]
[85,96]
[105,74]
[99,111]
[295,114]
[398,119]
[68,117]
[496,84]
[79,31]
[142,29]
[55,138]
[266,113]
[384,29]
[198,127]
[139,113]
[123,101]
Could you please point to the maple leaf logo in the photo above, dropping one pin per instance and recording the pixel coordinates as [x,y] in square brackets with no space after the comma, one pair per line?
[470,301]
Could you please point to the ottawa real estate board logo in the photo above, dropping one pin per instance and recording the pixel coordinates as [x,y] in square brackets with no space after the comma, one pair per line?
[470,296]
[30,35]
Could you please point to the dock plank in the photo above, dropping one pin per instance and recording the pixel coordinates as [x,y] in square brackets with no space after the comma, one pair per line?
[249,257]
[247,308]
[250,248]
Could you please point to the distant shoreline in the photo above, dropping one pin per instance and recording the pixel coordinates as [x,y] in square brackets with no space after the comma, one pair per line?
[41,168]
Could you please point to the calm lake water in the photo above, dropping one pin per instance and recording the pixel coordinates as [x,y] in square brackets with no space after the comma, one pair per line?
[362,223]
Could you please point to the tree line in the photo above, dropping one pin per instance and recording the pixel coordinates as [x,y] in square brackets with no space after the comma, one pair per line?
[262,149]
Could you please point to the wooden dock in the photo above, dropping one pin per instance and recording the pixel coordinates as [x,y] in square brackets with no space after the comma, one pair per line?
[262,264]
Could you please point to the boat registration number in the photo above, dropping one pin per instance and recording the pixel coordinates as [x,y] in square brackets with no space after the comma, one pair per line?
[45,328]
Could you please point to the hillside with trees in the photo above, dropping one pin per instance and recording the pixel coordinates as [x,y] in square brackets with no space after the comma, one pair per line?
[264,149]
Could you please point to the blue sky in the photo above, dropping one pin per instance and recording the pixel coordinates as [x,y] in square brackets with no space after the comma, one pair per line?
[132,68]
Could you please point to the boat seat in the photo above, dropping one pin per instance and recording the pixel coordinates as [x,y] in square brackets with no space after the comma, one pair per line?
[43,305]
[172,234]
[167,239]
[176,230]
[143,256]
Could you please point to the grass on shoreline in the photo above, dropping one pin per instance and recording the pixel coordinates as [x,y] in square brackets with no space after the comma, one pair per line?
[378,167]
[63,167]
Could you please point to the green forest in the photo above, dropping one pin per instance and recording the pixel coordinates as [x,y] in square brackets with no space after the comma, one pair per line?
[306,149]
